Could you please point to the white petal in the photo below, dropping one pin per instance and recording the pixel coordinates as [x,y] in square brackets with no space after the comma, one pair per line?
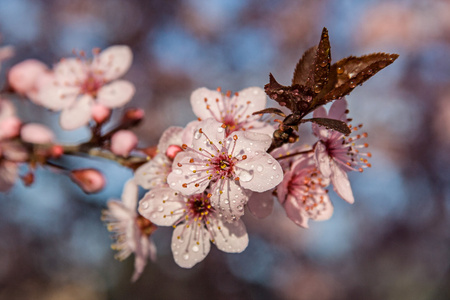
[71,71]
[113,62]
[162,206]
[190,245]
[141,254]
[322,159]
[116,94]
[153,173]
[171,136]
[56,97]
[119,211]
[229,199]
[341,184]
[260,173]
[212,132]
[183,179]
[231,237]
[199,106]
[261,204]
[77,115]
[130,194]
[255,95]
[250,143]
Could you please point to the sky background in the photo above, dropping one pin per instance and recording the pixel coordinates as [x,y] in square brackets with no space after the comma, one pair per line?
[393,243]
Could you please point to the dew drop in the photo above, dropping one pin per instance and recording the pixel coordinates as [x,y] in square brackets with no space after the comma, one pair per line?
[240,207]
[160,208]
[339,70]
[186,256]
[197,135]
[259,168]
[274,167]
[144,205]
[178,171]
[226,201]
[152,195]
[165,197]
[220,129]
[269,161]
[195,248]
[245,176]
[352,84]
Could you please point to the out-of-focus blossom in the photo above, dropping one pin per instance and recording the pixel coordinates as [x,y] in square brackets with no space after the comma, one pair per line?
[36,133]
[196,222]
[131,230]
[337,154]
[79,84]
[235,165]
[235,111]
[5,53]
[89,180]
[302,192]
[154,173]
[9,123]
[123,141]
[261,204]
[24,76]
[100,113]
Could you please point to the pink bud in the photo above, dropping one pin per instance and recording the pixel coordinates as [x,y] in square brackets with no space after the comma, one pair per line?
[36,134]
[89,180]
[56,151]
[22,77]
[9,128]
[100,113]
[133,116]
[172,151]
[123,141]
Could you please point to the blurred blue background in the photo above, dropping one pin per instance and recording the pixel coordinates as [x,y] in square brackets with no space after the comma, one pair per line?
[393,243]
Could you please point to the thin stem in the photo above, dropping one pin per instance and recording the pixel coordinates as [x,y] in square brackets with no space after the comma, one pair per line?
[294,154]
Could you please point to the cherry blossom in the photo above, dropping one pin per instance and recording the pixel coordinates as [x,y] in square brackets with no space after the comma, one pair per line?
[154,173]
[336,154]
[235,111]
[235,165]
[80,84]
[302,192]
[9,122]
[196,223]
[131,230]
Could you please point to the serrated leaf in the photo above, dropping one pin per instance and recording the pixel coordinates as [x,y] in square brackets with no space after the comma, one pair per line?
[303,67]
[320,69]
[270,110]
[337,125]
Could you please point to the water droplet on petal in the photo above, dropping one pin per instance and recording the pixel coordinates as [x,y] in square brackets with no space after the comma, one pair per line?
[186,256]
[220,129]
[195,248]
[178,171]
[197,135]
[274,167]
[165,197]
[245,176]
[269,161]
[160,208]
[240,207]
[259,168]
[226,201]
[144,205]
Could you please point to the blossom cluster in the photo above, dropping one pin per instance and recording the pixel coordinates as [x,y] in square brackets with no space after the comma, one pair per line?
[201,179]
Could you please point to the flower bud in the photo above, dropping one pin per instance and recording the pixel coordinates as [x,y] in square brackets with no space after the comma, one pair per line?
[100,113]
[172,151]
[9,128]
[89,180]
[122,142]
[22,77]
[132,117]
[36,134]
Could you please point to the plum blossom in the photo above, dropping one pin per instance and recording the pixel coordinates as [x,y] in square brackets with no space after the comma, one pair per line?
[131,230]
[235,111]
[78,85]
[302,192]
[196,223]
[154,173]
[336,154]
[235,166]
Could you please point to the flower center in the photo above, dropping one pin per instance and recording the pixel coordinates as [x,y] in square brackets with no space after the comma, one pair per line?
[198,206]
[91,85]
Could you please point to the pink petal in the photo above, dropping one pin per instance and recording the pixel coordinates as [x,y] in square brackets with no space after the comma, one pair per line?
[230,203]
[162,206]
[9,128]
[23,76]
[260,173]
[231,237]
[153,173]
[145,248]
[251,143]
[77,115]
[338,109]
[54,96]
[36,133]
[130,195]
[119,211]
[295,212]
[322,159]
[255,95]
[341,184]
[261,204]
[199,106]
[171,136]
[183,179]
[116,94]
[320,112]
[212,131]
[190,245]
[113,62]
[71,71]
[188,133]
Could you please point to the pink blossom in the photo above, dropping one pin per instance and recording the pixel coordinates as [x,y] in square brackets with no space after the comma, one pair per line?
[196,223]
[89,180]
[302,192]
[9,123]
[36,133]
[79,84]
[23,77]
[336,154]
[154,173]
[234,165]
[123,141]
[131,230]
[235,111]
[100,113]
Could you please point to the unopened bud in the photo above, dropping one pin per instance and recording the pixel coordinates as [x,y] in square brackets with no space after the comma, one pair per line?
[172,151]
[150,151]
[10,128]
[132,117]
[28,179]
[56,151]
[122,142]
[100,113]
[89,180]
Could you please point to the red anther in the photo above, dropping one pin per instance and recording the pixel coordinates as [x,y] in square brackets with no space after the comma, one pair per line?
[219,89]
[184,185]
[206,99]
[228,93]
[184,146]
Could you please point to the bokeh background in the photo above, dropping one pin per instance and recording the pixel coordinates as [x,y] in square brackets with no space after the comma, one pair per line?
[393,243]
